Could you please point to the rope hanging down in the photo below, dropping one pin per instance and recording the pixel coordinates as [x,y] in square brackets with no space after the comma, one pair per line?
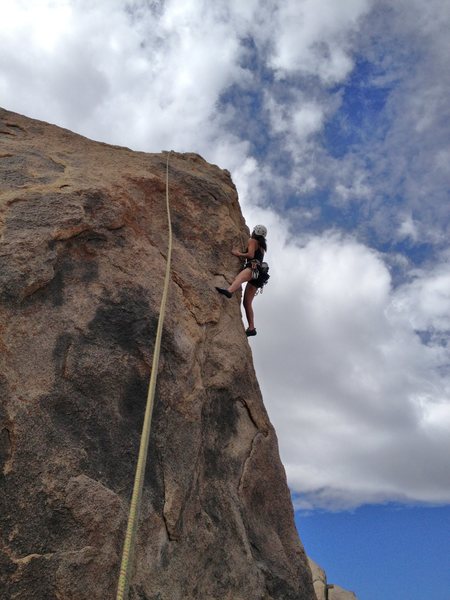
[135,505]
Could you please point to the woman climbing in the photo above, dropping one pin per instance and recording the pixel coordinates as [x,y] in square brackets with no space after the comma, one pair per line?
[251,273]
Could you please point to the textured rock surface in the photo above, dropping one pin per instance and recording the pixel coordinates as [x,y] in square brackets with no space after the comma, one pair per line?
[338,593]
[325,591]
[82,263]
[319,580]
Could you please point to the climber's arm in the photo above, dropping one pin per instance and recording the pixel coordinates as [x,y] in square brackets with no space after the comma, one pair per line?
[251,249]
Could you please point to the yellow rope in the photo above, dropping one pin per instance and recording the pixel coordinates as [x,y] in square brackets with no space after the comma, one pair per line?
[135,505]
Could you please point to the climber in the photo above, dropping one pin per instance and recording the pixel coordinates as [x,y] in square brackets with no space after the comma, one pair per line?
[251,273]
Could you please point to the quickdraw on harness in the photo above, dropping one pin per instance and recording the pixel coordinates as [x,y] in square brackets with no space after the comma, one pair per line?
[260,272]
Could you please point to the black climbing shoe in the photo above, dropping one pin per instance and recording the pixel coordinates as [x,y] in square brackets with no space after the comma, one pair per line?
[250,332]
[224,292]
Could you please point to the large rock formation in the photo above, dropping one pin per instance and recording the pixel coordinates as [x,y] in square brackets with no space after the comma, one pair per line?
[82,261]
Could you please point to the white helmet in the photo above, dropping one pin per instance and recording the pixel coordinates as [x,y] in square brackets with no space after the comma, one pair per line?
[260,230]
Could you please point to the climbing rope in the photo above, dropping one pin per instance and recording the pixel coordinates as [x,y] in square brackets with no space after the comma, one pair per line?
[135,505]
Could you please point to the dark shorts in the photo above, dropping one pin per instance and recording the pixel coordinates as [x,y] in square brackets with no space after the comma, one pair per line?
[257,283]
[260,281]
[254,283]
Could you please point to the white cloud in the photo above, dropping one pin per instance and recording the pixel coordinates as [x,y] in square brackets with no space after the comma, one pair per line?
[356,187]
[42,24]
[307,119]
[295,122]
[156,79]
[314,39]
[357,398]
[408,228]
[426,300]
[408,158]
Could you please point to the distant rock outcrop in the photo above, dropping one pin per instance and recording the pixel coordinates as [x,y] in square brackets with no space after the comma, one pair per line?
[319,580]
[337,593]
[82,259]
[324,590]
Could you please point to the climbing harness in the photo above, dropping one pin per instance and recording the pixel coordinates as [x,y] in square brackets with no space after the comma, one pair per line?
[263,277]
[135,504]
[253,264]
[260,273]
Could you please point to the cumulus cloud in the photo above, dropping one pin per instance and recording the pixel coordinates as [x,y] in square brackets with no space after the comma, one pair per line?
[376,426]
[314,41]
[426,299]
[334,121]
[404,151]
[149,79]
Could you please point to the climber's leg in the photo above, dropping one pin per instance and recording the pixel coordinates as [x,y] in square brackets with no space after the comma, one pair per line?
[249,294]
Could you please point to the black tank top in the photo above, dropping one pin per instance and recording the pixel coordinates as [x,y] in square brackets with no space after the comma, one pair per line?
[259,254]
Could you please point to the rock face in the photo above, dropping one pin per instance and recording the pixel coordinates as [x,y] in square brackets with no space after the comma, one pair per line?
[83,246]
[337,593]
[324,590]
[319,580]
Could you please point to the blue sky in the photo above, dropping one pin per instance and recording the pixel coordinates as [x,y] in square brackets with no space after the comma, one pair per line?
[334,121]
[383,552]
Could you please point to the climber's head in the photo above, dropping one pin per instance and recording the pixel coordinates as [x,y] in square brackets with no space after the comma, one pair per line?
[260,230]
[259,234]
